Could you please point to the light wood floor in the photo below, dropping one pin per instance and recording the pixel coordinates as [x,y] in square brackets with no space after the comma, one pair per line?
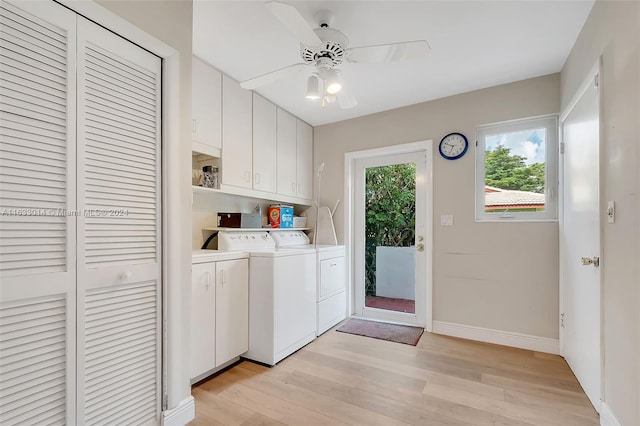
[345,379]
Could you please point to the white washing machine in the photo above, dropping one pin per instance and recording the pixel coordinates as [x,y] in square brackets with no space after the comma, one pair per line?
[331,294]
[282,294]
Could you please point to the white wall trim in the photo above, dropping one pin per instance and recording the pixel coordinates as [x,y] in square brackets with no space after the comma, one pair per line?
[606,416]
[180,415]
[499,337]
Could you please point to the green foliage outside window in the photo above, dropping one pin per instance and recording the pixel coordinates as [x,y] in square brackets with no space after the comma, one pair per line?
[506,171]
[390,206]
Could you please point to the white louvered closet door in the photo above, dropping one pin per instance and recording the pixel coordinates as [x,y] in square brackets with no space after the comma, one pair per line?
[119,242]
[37,236]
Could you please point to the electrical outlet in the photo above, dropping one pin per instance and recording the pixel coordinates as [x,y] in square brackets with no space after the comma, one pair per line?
[446,220]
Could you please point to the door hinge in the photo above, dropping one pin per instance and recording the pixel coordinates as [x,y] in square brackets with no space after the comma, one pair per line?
[562,320]
[562,148]
[596,80]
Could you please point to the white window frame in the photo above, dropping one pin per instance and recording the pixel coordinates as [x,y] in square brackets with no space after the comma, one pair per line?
[550,122]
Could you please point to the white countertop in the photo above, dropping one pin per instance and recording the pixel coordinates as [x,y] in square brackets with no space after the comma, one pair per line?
[203,256]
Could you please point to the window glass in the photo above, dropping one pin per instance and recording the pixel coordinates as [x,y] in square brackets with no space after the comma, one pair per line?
[516,162]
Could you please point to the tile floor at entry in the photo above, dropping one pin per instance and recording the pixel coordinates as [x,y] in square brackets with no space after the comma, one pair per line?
[390,304]
[346,379]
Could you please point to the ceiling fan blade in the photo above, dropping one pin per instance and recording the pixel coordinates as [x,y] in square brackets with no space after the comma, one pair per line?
[293,20]
[272,76]
[393,52]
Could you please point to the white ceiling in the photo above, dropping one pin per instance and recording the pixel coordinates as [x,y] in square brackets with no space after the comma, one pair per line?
[474,44]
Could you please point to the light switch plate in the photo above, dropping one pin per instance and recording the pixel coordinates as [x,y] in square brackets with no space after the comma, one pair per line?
[446,220]
[611,211]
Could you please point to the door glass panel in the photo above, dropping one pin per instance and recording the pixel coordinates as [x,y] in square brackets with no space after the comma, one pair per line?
[390,253]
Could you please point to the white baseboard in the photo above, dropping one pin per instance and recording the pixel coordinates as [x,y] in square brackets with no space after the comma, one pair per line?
[606,416]
[499,337]
[180,415]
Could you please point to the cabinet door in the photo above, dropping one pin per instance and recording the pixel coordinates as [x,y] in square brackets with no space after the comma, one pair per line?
[286,153]
[264,144]
[304,160]
[203,317]
[206,104]
[236,134]
[232,309]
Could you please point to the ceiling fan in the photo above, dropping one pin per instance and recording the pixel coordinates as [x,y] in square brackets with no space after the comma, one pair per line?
[323,49]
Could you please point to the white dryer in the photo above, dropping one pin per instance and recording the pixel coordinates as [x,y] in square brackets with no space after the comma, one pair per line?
[331,295]
[282,294]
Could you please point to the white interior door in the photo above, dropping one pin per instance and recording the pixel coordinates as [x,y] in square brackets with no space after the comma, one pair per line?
[37,225]
[390,271]
[580,240]
[119,242]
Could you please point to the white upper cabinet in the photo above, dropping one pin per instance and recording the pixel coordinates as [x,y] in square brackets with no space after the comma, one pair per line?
[206,108]
[264,151]
[264,144]
[287,154]
[237,163]
[304,160]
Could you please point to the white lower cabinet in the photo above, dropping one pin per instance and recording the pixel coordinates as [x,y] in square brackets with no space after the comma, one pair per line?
[219,314]
[232,309]
[203,319]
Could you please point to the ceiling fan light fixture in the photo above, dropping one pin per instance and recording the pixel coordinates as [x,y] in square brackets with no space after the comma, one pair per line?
[313,88]
[332,82]
[331,99]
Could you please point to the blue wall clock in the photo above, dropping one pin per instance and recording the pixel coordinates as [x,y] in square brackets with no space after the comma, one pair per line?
[453,146]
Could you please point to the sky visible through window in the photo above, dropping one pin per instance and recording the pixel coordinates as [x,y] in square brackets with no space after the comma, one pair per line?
[529,144]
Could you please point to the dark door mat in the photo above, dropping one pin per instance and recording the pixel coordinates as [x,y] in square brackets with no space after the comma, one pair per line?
[381,330]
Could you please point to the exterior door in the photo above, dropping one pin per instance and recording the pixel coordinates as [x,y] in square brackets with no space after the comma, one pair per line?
[390,245]
[580,240]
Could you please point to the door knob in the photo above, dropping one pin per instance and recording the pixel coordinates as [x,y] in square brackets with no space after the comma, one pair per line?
[595,261]
[420,238]
[420,247]
[126,275]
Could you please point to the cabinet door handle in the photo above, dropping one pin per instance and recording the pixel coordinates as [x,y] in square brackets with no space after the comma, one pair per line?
[208,284]
[256,178]
[195,125]
[333,265]
[224,277]
[293,187]
[247,176]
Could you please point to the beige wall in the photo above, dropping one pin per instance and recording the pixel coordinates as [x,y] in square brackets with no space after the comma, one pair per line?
[613,31]
[501,276]
[171,23]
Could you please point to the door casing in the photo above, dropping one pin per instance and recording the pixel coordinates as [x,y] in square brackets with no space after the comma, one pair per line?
[425,146]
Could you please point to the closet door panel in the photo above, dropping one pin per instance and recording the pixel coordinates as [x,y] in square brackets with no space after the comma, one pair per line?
[119,254]
[37,205]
